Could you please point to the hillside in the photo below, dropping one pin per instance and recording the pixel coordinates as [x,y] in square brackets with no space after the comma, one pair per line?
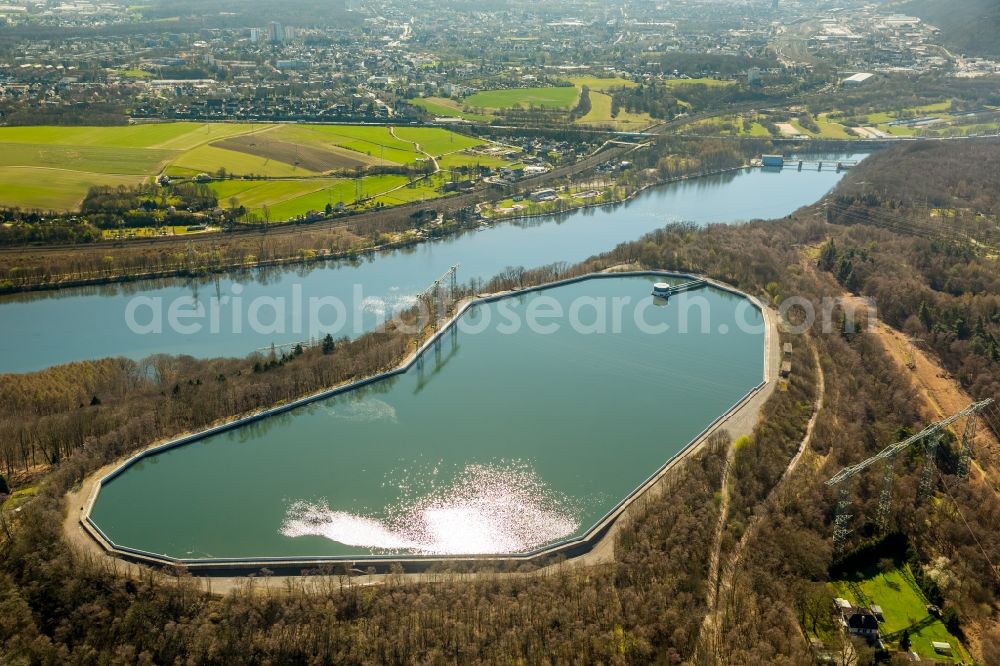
[776,574]
[967,26]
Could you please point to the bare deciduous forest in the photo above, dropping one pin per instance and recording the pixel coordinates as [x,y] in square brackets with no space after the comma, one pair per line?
[649,606]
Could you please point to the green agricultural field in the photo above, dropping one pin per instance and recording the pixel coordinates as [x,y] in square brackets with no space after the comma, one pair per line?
[899,131]
[939,107]
[51,168]
[454,160]
[758,130]
[437,141]
[904,607]
[422,190]
[255,194]
[153,135]
[882,119]
[32,188]
[390,189]
[551,97]
[93,159]
[830,129]
[136,74]
[448,108]
[974,128]
[728,125]
[827,128]
[209,159]
[197,134]
[285,199]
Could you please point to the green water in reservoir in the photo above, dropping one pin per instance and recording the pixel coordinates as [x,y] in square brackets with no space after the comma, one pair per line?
[503,441]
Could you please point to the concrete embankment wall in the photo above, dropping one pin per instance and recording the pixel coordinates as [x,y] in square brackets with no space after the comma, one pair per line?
[383,563]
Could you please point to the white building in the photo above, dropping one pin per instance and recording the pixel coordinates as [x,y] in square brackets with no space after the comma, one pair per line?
[857,79]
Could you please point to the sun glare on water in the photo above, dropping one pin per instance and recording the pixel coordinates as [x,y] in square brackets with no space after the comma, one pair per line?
[487,510]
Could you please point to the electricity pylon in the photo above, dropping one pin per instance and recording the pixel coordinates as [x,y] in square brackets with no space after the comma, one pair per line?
[931,438]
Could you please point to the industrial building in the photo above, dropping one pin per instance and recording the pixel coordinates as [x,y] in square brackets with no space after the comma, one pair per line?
[857,79]
[547,194]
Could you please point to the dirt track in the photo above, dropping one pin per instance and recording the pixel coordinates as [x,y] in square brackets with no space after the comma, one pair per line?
[941,392]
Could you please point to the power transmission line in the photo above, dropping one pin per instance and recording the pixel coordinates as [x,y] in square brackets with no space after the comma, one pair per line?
[931,438]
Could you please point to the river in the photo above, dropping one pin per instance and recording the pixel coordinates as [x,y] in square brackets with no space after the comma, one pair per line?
[247,312]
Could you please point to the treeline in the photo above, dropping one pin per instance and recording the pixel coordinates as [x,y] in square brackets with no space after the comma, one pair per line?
[583,104]
[703,64]
[423,168]
[900,94]
[657,99]
[45,230]
[81,113]
[867,404]
[645,609]
[532,115]
[123,198]
[930,175]
[113,406]
[666,100]
[968,26]
[149,205]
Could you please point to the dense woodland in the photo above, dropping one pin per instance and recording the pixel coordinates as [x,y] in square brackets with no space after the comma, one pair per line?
[649,606]
[666,100]
[968,26]
[147,205]
[942,287]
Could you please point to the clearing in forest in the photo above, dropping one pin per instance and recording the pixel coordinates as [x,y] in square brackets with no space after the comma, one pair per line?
[904,608]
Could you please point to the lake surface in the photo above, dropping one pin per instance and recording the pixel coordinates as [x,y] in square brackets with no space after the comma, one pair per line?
[503,441]
[254,310]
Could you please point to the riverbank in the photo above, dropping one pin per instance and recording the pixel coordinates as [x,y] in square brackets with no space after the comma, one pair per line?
[451,228]
[629,196]
[597,544]
[386,281]
[56,267]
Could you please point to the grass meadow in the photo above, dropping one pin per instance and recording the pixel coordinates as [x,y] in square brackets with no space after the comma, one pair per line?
[551,97]
[51,168]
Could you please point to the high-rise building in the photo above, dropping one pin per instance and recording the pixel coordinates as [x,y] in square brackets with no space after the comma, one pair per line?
[255,34]
[275,32]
